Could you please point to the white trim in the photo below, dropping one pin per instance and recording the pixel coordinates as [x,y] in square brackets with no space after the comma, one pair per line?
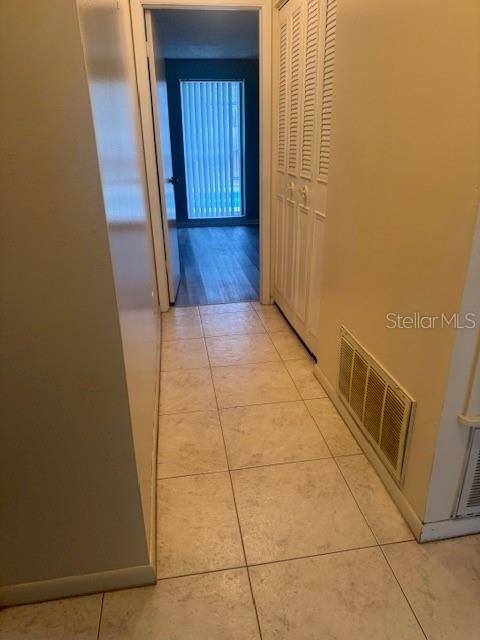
[171,275]
[398,497]
[77,585]
[149,150]
[264,9]
[152,541]
[450,528]
[423,532]
[453,440]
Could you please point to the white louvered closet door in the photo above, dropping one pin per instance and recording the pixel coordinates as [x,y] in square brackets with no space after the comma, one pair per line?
[304,82]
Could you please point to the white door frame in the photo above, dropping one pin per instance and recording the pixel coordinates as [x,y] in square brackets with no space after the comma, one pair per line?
[264,8]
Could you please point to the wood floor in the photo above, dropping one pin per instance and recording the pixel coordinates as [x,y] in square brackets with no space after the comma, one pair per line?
[219,264]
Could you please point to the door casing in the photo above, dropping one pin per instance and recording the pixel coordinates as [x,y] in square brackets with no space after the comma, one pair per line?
[264,9]
[164,161]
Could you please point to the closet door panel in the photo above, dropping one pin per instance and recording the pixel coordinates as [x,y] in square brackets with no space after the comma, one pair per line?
[290,239]
[281,90]
[302,262]
[317,233]
[296,29]
[310,88]
[306,32]
[282,124]
[280,245]
[328,71]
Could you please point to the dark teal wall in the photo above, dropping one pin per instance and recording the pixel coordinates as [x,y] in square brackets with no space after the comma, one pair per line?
[246,70]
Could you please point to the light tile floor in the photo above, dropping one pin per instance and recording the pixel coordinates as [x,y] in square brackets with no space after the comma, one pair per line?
[272,524]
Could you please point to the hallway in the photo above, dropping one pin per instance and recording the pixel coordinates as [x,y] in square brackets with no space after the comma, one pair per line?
[271,522]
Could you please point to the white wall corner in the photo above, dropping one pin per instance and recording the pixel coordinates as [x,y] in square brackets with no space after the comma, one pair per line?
[453,438]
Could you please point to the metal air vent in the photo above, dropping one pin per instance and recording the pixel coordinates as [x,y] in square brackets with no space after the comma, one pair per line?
[470,497]
[380,407]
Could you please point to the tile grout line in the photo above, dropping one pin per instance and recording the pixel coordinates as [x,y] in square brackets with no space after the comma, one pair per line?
[201,573]
[235,406]
[314,421]
[379,546]
[280,561]
[293,380]
[234,364]
[401,589]
[229,470]
[257,466]
[343,455]
[291,377]
[278,310]
[310,555]
[100,617]
[368,524]
[269,562]
[318,428]
[235,502]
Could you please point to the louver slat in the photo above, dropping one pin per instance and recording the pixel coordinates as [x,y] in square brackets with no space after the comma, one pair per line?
[294,112]
[327,94]
[282,100]
[393,418]
[310,88]
[474,493]
[470,497]
[380,408]
[345,369]
[359,381]
[374,404]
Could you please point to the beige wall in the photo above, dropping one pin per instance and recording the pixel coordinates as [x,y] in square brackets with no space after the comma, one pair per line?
[402,194]
[462,396]
[106,35]
[68,486]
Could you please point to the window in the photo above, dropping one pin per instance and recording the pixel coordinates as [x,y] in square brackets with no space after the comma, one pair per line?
[212,118]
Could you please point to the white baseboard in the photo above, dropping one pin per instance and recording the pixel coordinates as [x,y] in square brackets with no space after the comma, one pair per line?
[423,532]
[450,528]
[77,585]
[105,580]
[413,521]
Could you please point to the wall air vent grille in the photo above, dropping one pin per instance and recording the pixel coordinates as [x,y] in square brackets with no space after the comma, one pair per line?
[381,408]
[470,497]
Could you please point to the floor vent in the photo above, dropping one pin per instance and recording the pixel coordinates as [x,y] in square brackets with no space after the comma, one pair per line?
[470,498]
[380,407]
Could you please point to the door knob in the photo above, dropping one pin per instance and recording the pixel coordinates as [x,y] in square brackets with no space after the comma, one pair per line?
[291,188]
[173,180]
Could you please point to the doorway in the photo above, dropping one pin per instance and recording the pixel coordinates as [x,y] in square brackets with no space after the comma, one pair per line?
[213,182]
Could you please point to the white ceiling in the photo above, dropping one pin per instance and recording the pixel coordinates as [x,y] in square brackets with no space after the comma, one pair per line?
[207,34]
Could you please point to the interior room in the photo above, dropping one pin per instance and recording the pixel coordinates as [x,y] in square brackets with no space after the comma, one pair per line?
[210,60]
[240,321]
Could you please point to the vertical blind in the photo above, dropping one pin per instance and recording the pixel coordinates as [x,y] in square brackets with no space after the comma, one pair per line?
[212,118]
